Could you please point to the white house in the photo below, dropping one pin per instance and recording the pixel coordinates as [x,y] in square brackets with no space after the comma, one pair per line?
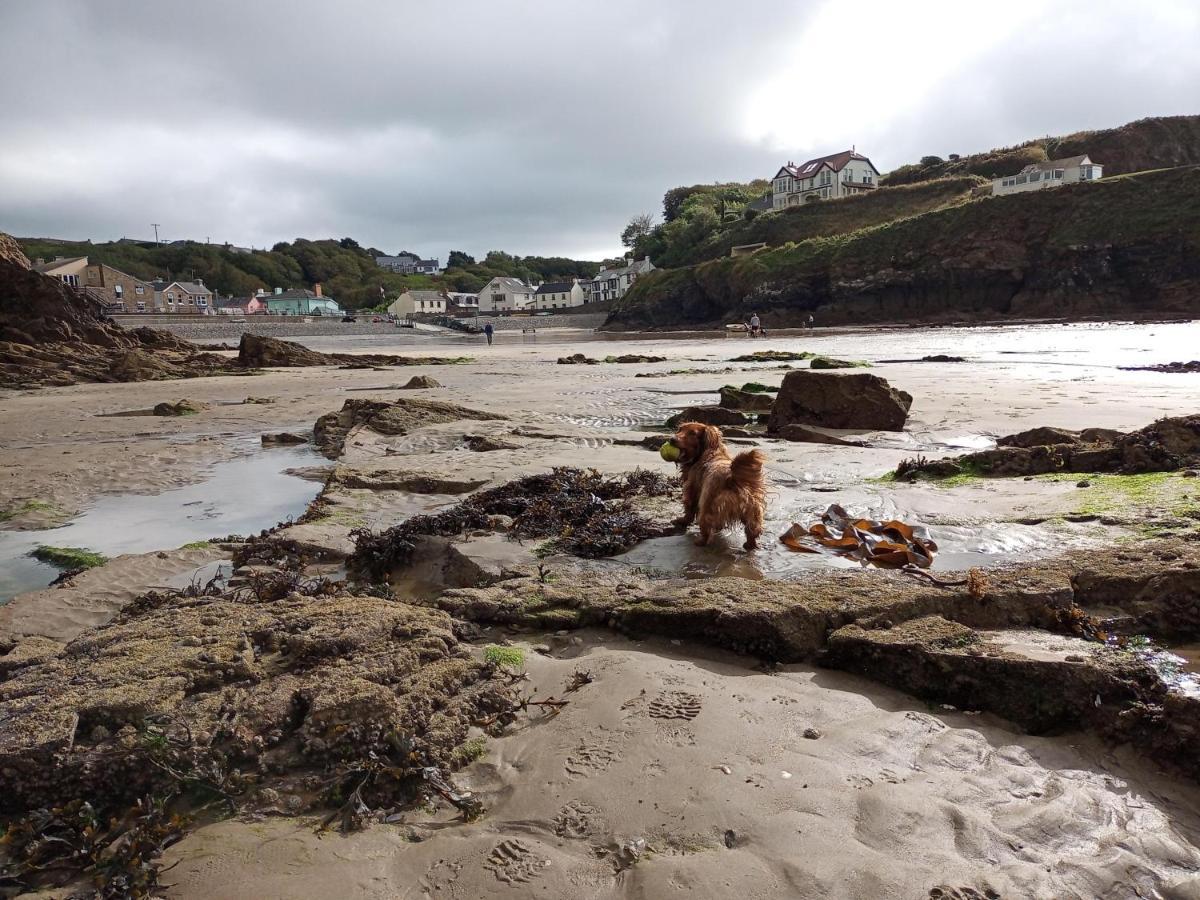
[1051,173]
[505,295]
[418,302]
[824,178]
[409,264]
[612,284]
[559,295]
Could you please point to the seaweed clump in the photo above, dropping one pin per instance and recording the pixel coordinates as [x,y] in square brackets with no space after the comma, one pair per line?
[585,513]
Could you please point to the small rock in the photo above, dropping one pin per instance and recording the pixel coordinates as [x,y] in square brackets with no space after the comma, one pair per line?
[1075,658]
[812,733]
[1083,483]
[730,838]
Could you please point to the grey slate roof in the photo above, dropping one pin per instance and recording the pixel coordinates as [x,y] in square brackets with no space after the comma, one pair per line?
[556,287]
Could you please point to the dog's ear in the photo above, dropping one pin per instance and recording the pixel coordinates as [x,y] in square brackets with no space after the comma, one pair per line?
[710,438]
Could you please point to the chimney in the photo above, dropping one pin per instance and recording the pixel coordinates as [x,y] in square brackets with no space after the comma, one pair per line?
[278,290]
[317,289]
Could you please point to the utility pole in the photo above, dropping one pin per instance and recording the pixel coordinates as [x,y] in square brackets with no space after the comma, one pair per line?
[155,226]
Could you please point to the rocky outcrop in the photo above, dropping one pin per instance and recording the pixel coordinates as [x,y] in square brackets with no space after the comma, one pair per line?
[258,351]
[1164,446]
[380,416]
[858,401]
[1116,248]
[279,689]
[708,415]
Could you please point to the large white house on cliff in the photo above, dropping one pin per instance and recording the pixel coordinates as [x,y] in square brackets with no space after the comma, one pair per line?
[824,178]
[1051,173]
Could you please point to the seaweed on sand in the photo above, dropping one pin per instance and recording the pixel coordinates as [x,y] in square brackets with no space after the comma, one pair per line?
[584,512]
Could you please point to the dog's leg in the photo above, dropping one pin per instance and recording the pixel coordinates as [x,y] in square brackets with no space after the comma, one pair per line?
[752,521]
[691,503]
[707,527]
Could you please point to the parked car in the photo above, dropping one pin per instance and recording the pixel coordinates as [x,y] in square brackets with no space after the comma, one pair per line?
[376,319]
[349,318]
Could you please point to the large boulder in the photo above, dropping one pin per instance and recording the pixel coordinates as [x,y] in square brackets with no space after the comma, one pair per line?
[839,401]
[257,351]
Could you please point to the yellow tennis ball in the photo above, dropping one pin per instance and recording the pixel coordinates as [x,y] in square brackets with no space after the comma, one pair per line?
[669,452]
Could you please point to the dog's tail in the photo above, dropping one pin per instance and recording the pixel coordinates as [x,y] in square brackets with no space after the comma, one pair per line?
[746,468]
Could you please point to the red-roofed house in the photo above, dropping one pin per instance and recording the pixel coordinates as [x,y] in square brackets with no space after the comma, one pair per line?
[824,178]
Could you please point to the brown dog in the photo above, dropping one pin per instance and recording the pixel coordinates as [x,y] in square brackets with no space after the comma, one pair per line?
[719,490]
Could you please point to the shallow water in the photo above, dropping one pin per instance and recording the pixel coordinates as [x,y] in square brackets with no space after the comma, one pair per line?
[242,495]
[960,546]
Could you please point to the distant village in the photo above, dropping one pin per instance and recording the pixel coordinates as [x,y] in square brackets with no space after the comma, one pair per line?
[845,174]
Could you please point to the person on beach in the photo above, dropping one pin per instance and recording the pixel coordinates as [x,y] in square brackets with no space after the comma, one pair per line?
[755,325]
[809,321]
[488,330]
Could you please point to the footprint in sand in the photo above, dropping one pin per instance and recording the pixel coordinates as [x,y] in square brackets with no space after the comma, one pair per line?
[675,705]
[945,892]
[513,862]
[577,820]
[591,756]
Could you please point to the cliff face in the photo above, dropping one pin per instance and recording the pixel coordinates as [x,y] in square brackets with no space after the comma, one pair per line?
[1136,147]
[1119,247]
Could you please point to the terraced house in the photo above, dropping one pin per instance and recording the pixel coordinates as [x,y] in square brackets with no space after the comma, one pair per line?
[614,283]
[121,291]
[824,178]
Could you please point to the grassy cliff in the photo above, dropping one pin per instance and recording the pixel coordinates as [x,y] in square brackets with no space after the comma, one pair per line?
[1123,246]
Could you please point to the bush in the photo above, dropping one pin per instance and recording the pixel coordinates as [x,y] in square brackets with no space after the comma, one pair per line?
[931,160]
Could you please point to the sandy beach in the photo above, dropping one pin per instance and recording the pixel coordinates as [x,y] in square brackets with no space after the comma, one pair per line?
[679,769]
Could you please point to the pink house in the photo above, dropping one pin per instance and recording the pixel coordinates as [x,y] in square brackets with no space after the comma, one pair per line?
[241,306]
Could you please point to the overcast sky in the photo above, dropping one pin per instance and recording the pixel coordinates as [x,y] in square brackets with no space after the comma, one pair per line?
[532,127]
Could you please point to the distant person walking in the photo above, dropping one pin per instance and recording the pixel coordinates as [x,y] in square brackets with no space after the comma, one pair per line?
[755,325]
[809,321]
[488,330]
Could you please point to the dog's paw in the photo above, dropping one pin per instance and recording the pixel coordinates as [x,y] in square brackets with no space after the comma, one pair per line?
[751,544]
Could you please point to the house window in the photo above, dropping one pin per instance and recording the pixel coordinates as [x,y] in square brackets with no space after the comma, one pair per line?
[139,290]
[119,291]
[1021,179]
[1058,173]
[141,306]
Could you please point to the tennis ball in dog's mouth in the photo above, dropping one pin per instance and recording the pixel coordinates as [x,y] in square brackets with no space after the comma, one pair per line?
[669,452]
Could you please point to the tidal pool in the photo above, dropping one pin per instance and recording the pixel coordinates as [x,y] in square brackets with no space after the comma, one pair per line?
[242,495]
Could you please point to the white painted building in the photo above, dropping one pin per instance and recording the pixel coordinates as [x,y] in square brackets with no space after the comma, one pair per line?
[1051,173]
[559,295]
[506,295]
[418,302]
[612,284]
[824,178]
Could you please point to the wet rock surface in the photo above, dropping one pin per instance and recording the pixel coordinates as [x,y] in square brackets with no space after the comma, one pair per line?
[839,401]
[180,408]
[387,418]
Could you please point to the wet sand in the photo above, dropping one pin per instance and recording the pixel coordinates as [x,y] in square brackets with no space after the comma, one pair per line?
[892,800]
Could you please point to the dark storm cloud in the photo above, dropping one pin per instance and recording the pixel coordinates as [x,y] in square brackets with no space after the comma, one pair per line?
[532,127]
